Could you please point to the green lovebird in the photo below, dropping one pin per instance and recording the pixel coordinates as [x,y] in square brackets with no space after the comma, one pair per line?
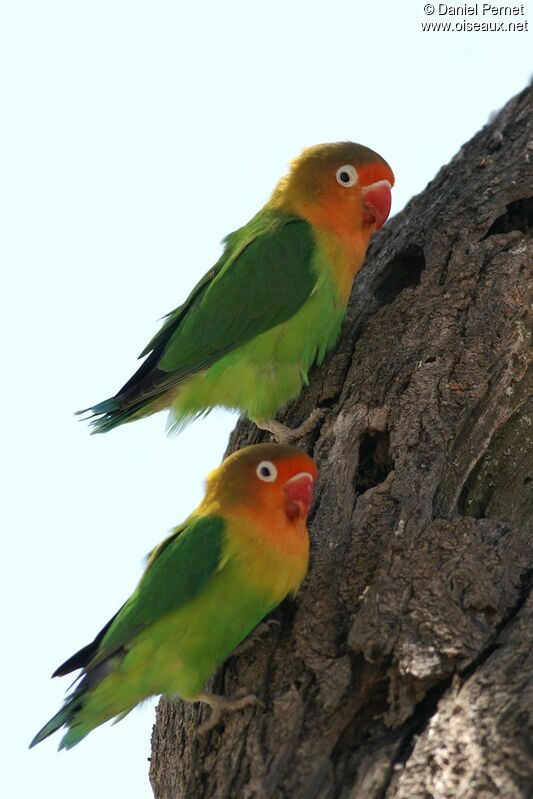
[272,305]
[205,588]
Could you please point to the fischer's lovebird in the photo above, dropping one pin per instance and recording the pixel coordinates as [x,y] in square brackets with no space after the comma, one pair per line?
[205,588]
[272,305]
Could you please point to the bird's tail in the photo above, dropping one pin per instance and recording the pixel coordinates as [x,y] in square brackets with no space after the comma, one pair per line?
[108,414]
[63,717]
[113,412]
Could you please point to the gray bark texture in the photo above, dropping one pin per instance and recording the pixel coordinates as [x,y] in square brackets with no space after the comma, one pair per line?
[404,668]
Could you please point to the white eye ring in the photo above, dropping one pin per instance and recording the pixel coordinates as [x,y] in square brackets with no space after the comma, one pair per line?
[266,471]
[347,175]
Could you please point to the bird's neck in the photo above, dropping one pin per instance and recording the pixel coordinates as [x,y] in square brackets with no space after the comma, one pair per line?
[263,526]
[340,234]
[344,256]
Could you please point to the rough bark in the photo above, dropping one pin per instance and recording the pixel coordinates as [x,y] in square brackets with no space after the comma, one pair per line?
[404,667]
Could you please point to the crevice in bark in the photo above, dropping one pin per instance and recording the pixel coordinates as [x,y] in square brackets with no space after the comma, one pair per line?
[498,486]
[403,271]
[425,710]
[375,461]
[526,584]
[412,728]
[518,216]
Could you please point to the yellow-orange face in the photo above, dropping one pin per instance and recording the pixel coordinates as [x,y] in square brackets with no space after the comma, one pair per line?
[269,482]
[343,188]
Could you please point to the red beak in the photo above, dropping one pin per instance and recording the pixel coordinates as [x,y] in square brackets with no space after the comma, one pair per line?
[377,202]
[298,495]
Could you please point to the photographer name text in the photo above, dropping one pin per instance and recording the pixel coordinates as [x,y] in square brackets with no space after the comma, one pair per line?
[478,10]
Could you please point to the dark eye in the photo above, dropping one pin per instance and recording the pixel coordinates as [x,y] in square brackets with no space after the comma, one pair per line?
[347,175]
[266,471]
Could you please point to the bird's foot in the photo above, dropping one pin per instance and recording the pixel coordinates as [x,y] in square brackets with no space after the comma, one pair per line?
[287,435]
[224,704]
[261,630]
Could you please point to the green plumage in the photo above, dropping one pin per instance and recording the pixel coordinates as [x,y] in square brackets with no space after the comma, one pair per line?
[192,607]
[204,589]
[246,336]
[177,572]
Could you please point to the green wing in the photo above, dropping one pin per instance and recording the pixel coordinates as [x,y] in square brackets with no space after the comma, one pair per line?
[264,282]
[177,571]
[263,278]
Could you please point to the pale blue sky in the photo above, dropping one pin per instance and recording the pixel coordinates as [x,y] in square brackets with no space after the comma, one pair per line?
[134,136]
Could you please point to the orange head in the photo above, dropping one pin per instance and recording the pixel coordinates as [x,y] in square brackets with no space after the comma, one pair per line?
[271,482]
[343,188]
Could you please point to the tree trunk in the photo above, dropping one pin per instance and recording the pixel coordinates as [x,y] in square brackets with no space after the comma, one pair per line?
[404,667]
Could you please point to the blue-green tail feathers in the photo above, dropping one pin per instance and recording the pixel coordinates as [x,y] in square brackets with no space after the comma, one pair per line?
[64,717]
[108,414]
[111,415]
[74,702]
[107,406]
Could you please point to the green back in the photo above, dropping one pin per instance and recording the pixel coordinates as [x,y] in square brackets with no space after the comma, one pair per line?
[178,570]
[262,279]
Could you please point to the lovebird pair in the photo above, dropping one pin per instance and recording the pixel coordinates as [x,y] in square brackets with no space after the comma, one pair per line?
[245,338]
